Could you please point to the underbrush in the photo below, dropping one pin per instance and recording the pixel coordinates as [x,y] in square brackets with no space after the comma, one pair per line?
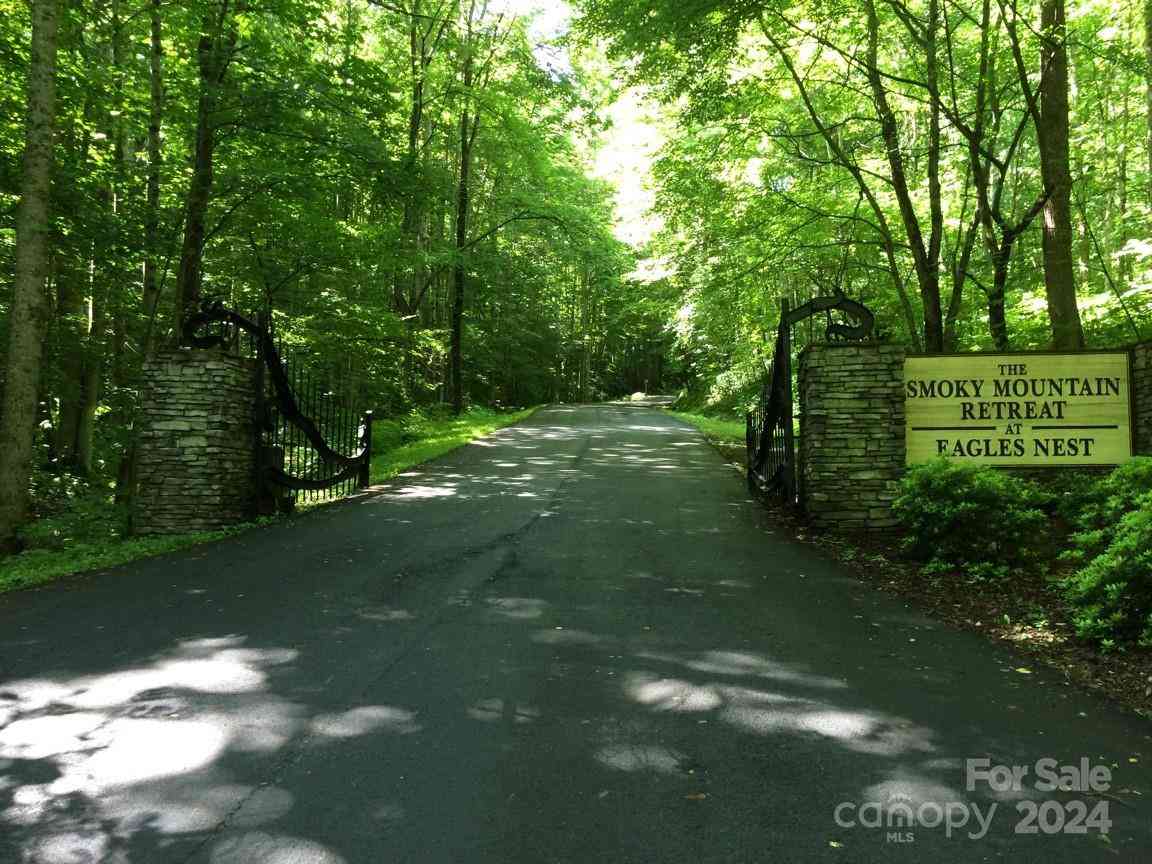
[1091,535]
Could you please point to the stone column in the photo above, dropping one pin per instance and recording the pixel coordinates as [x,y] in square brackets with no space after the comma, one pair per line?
[851,449]
[1142,398]
[197,442]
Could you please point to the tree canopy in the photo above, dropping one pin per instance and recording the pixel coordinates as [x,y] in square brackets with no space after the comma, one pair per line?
[977,172]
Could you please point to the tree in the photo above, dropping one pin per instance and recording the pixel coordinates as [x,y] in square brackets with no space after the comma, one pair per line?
[29,312]
[1049,110]
[215,50]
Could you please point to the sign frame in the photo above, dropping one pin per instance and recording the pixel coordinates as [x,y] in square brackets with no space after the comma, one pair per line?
[1129,353]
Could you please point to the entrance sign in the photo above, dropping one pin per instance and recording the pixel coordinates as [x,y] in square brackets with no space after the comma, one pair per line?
[1019,409]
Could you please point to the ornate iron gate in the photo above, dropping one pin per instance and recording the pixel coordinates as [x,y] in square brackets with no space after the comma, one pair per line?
[313,444]
[770,434]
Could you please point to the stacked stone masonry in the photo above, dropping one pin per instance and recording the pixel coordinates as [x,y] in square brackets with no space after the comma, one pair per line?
[195,468]
[851,448]
[1142,397]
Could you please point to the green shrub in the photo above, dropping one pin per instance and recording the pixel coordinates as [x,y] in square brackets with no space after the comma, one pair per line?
[959,515]
[90,518]
[1112,595]
[1068,493]
[1106,501]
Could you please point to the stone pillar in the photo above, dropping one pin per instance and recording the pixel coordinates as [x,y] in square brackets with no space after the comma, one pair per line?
[851,449]
[197,442]
[1142,398]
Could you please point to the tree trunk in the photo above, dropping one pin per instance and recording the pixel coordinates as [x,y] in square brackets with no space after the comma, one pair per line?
[107,276]
[925,255]
[29,311]
[151,288]
[150,293]
[1052,133]
[213,57]
[997,319]
[1148,90]
[469,125]
[93,380]
[189,276]
[71,323]
[459,272]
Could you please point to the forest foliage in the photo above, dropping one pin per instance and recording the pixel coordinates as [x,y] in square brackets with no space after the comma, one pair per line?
[979,172]
[407,187]
[404,186]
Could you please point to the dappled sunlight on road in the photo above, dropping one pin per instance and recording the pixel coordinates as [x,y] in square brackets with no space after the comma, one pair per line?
[259,848]
[767,712]
[106,767]
[577,641]
[520,459]
[745,663]
[640,757]
[517,607]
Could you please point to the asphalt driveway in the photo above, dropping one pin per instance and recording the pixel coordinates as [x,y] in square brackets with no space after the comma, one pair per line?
[575,641]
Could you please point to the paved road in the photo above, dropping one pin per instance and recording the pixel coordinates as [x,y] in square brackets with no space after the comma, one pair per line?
[573,642]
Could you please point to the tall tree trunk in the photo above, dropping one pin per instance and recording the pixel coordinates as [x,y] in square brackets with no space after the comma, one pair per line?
[189,276]
[213,57]
[469,125]
[1052,133]
[29,313]
[459,271]
[925,251]
[93,382]
[73,286]
[71,325]
[106,271]
[151,287]
[404,284]
[1148,91]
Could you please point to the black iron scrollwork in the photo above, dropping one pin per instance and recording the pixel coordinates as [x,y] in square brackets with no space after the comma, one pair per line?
[770,437]
[862,328]
[198,333]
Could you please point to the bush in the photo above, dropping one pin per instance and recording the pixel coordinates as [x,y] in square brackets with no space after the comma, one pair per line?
[959,515]
[1112,595]
[1106,501]
[1112,592]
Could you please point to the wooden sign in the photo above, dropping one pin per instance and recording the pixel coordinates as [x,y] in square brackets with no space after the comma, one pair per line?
[1019,409]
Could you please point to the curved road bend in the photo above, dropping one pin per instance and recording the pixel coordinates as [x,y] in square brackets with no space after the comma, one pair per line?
[575,641]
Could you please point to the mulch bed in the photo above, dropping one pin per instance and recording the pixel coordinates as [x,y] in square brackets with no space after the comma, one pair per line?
[1027,611]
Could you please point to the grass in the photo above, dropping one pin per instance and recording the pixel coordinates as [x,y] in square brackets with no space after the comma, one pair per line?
[398,445]
[724,431]
[38,566]
[86,531]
